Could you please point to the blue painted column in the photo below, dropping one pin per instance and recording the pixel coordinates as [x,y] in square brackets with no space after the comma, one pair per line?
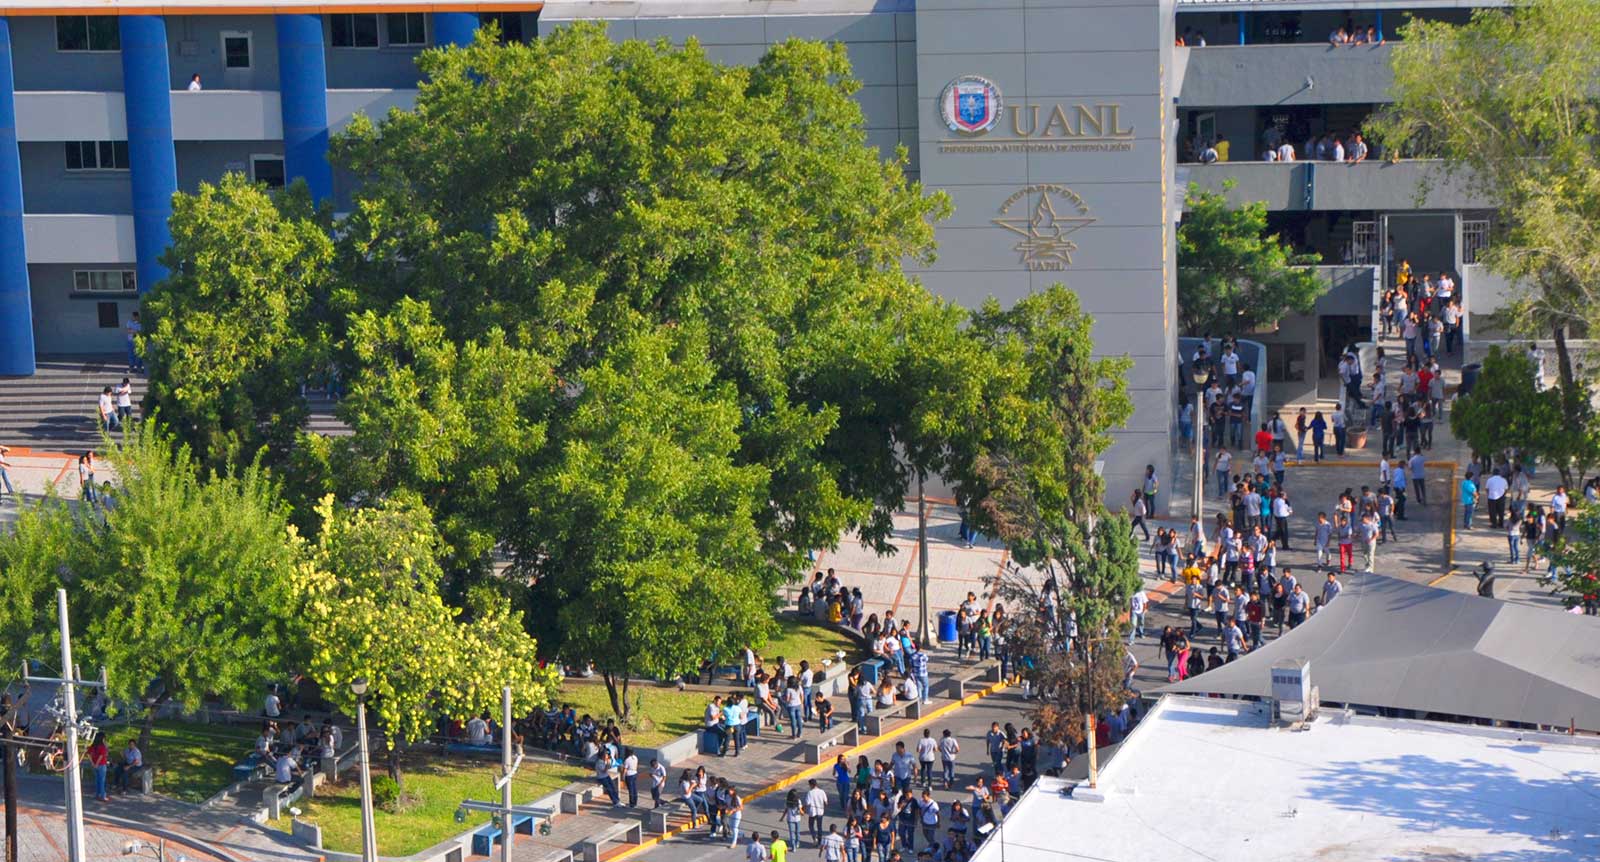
[303,90]
[1379,24]
[1242,20]
[454,28]
[147,98]
[16,301]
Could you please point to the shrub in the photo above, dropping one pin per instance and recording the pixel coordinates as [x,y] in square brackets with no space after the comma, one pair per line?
[385,792]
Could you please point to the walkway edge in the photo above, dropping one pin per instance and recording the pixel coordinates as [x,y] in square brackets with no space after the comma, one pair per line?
[811,771]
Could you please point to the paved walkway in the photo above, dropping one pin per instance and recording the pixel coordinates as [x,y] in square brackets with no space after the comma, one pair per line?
[126,814]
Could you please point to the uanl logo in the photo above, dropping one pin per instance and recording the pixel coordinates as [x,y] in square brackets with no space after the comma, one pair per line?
[971,106]
[1043,214]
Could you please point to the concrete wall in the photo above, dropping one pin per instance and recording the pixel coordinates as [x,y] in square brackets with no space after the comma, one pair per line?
[1109,189]
[1484,293]
[195,45]
[878,36]
[1250,75]
[48,187]
[1370,185]
[64,322]
[71,237]
[207,162]
[39,66]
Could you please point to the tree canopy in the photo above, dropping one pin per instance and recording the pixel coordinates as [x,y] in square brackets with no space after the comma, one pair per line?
[371,609]
[632,323]
[1506,412]
[1233,276]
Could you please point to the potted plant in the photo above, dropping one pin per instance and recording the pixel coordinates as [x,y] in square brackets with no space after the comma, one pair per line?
[1355,430]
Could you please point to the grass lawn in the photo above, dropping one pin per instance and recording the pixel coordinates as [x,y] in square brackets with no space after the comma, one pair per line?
[192,760]
[668,713]
[436,787]
[797,641]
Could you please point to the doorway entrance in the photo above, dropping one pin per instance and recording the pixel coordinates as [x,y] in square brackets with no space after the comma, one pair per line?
[1336,333]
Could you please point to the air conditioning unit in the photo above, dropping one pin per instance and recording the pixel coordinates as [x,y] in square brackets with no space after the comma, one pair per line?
[1293,697]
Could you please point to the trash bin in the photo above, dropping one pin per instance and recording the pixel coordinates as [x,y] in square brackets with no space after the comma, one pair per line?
[1469,378]
[871,669]
[947,627]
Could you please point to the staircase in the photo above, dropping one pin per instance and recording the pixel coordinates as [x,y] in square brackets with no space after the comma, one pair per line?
[55,408]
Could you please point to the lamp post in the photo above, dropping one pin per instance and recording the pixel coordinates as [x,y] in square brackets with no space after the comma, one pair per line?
[1200,375]
[369,835]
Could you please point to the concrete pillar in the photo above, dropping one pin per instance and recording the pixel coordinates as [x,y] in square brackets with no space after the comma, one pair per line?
[454,28]
[16,300]
[303,87]
[153,164]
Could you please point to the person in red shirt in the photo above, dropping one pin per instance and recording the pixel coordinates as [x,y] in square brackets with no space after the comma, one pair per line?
[1255,613]
[100,759]
[1424,376]
[1263,439]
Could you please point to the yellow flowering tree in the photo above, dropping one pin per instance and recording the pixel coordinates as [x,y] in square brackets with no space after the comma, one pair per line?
[373,609]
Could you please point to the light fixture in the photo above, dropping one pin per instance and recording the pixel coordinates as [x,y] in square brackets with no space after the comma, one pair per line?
[1200,374]
[358,686]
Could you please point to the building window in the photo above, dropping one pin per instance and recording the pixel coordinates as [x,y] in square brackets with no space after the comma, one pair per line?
[510,24]
[406,28]
[104,281]
[235,50]
[268,170]
[355,30]
[107,312]
[1286,363]
[97,155]
[87,33]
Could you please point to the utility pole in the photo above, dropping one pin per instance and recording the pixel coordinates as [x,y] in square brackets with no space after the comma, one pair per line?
[922,565]
[508,769]
[69,694]
[7,730]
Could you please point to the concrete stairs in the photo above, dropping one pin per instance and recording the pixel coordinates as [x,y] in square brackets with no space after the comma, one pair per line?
[54,410]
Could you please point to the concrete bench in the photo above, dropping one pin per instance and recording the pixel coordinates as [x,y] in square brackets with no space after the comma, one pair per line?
[844,732]
[573,799]
[483,840]
[881,714]
[626,832]
[527,824]
[557,855]
[656,818]
[956,684]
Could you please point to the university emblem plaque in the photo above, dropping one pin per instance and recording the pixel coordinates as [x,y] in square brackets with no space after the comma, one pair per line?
[970,105]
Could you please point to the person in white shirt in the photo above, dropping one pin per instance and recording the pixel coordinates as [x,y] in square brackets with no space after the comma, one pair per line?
[1136,607]
[478,730]
[1495,488]
[272,707]
[948,749]
[815,803]
[927,753]
[1286,152]
[108,410]
[194,83]
[286,768]
[1230,367]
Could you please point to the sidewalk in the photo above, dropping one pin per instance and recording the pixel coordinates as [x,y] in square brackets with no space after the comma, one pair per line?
[224,832]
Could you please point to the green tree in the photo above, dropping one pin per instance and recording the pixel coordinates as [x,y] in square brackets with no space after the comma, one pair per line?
[652,561]
[1507,101]
[31,550]
[1049,419]
[241,321]
[1576,557]
[181,585]
[1506,413]
[1234,277]
[371,607]
[1049,414]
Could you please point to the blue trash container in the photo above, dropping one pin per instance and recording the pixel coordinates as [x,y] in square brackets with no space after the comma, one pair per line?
[947,627]
[871,669]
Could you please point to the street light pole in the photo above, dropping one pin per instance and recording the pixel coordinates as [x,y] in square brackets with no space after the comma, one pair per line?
[369,837]
[922,565]
[1200,376]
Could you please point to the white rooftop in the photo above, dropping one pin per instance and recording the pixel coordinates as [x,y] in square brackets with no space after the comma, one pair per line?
[1207,779]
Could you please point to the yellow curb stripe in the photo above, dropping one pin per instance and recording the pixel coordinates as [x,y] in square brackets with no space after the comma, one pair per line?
[1442,578]
[811,771]
[1347,463]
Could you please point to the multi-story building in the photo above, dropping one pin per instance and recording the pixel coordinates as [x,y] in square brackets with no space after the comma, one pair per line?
[108,108]
[1259,73]
[1062,130]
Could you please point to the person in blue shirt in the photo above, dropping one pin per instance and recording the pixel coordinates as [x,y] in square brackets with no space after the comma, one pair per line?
[1469,499]
[919,669]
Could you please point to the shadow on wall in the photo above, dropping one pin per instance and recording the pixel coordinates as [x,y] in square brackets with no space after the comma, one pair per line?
[1431,794]
[1251,353]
